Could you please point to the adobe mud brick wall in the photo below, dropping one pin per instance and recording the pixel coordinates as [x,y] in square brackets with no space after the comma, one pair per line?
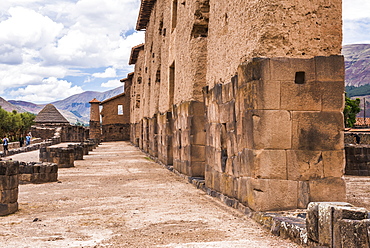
[338,225]
[36,172]
[357,160]
[9,182]
[189,138]
[274,133]
[63,157]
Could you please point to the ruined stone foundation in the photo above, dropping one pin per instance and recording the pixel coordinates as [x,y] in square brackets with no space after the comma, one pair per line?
[9,182]
[274,134]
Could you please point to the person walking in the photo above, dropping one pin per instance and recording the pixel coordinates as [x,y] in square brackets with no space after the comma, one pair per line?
[21,141]
[5,145]
[28,139]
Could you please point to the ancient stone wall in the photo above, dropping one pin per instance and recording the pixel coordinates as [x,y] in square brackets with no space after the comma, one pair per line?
[116,132]
[43,132]
[357,160]
[63,157]
[66,133]
[116,117]
[95,126]
[273,96]
[9,182]
[74,134]
[349,138]
[171,76]
[36,172]
[273,142]
[189,139]
[337,225]
[241,30]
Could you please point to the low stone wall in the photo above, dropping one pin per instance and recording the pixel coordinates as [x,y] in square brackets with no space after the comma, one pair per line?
[357,160]
[63,157]
[338,224]
[116,132]
[15,145]
[36,172]
[34,146]
[322,224]
[349,138]
[9,187]
[67,133]
[74,133]
[78,151]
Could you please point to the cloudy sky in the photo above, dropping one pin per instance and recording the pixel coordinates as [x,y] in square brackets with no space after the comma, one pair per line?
[51,49]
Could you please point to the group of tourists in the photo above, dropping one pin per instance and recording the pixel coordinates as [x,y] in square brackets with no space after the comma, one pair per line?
[5,142]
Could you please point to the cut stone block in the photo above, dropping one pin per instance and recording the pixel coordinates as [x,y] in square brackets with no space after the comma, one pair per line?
[352,213]
[317,131]
[272,194]
[319,221]
[327,189]
[353,234]
[285,69]
[269,129]
[268,164]
[300,97]
[329,68]
[332,96]
[255,69]
[334,163]
[304,165]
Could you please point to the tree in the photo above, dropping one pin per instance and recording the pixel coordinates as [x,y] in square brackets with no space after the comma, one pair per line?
[351,109]
[14,124]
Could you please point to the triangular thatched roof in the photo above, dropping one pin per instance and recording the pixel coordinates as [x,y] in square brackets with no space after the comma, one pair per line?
[50,114]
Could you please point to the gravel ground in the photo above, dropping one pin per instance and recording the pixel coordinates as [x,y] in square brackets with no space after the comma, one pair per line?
[117,197]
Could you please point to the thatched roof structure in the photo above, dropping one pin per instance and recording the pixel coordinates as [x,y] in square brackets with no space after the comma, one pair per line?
[50,115]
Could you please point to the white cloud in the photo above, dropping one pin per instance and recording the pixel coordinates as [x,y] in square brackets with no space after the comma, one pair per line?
[356,9]
[108,73]
[112,84]
[356,31]
[51,89]
[41,39]
[27,28]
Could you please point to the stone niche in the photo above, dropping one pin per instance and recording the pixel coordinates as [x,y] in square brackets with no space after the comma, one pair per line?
[275,133]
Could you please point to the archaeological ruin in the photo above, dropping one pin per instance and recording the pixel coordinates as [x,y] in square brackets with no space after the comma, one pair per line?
[248,95]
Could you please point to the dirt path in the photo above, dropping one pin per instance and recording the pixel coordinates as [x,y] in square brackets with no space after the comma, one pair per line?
[116,197]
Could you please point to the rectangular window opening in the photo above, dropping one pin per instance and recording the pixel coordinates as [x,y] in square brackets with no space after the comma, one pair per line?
[171,87]
[120,109]
[174,14]
[300,77]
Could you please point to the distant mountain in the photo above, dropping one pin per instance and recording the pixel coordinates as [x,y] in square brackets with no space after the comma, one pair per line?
[27,106]
[79,104]
[10,107]
[75,108]
[357,64]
